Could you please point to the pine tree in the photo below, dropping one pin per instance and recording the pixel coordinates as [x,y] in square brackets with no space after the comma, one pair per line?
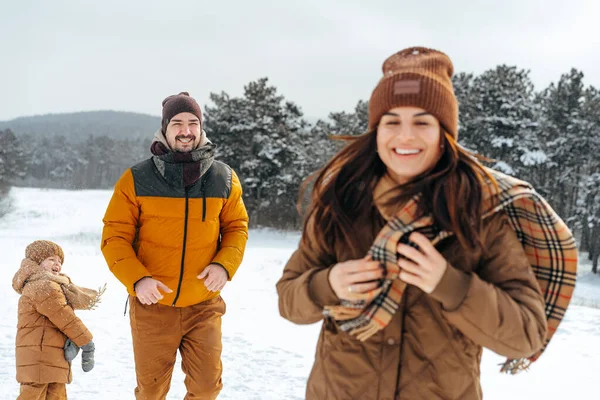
[561,132]
[587,208]
[324,132]
[258,135]
[13,164]
[498,119]
[467,105]
[344,123]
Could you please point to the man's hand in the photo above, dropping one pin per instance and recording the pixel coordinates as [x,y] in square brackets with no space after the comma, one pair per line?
[215,277]
[147,290]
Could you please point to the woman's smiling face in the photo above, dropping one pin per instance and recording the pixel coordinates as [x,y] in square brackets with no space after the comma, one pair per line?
[408,142]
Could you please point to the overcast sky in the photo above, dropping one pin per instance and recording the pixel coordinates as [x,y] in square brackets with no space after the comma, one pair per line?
[64,56]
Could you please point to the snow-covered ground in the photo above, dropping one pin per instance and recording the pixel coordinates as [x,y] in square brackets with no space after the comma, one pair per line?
[264,356]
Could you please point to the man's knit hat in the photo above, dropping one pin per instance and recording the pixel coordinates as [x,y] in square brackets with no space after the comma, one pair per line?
[176,104]
[417,77]
[39,250]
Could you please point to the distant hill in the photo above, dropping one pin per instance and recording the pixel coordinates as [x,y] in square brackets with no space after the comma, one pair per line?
[81,125]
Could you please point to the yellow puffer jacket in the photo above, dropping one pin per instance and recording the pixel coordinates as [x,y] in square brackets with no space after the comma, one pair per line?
[171,233]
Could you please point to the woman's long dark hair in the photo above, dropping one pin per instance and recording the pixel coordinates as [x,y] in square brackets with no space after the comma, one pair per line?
[343,190]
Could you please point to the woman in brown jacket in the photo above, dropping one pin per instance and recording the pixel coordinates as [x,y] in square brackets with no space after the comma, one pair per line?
[49,334]
[416,256]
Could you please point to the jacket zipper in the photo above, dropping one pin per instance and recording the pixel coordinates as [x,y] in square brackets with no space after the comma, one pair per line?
[185,225]
[203,200]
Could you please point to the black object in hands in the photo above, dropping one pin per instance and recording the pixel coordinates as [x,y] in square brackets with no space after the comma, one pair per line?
[71,350]
[87,356]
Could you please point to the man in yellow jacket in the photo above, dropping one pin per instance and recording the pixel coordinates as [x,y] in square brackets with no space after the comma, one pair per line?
[174,233]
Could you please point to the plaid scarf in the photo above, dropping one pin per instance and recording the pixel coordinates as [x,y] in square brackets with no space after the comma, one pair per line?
[546,239]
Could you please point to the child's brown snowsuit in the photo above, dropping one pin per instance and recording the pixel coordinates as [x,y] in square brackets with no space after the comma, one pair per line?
[46,318]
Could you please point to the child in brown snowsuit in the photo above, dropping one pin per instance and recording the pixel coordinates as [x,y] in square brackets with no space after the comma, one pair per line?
[49,334]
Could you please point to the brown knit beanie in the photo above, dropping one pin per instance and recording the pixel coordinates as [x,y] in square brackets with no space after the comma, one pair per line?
[417,77]
[39,250]
[176,104]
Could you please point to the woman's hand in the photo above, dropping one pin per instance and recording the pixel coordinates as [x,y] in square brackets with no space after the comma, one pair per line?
[423,269]
[355,276]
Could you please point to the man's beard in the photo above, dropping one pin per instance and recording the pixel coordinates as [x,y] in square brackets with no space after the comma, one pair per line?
[193,143]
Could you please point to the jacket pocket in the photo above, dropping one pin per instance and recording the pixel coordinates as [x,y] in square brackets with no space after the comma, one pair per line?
[349,367]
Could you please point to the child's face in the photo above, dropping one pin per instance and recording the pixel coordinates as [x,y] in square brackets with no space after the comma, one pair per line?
[52,264]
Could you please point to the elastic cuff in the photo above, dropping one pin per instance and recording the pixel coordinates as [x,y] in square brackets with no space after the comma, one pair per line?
[135,283]
[222,266]
[320,290]
[452,288]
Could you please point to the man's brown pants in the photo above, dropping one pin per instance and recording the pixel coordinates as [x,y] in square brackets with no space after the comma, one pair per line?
[158,331]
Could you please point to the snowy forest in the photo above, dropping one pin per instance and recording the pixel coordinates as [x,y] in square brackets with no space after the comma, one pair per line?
[549,137]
